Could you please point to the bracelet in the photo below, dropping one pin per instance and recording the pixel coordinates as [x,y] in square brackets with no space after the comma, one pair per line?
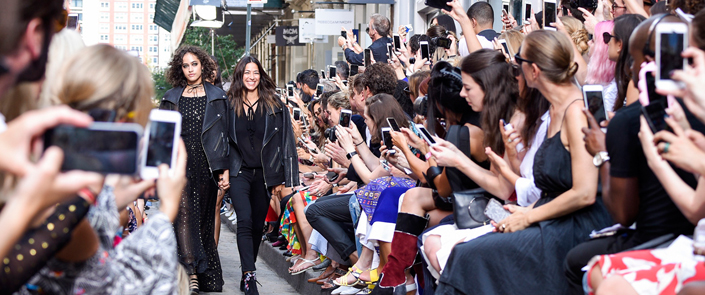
[428,156]
[88,194]
[357,144]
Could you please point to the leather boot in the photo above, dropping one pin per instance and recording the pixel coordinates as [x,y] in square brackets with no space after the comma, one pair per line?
[404,250]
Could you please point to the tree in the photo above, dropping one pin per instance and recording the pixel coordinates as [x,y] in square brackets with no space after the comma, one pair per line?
[160,85]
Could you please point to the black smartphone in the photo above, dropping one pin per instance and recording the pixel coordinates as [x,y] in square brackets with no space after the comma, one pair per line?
[368,55]
[397,42]
[425,53]
[344,34]
[387,138]
[108,148]
[549,14]
[332,176]
[412,60]
[297,114]
[345,116]
[319,90]
[323,74]
[442,4]
[393,124]
[332,72]
[651,88]
[390,51]
[565,10]
[443,42]
[655,114]
[353,70]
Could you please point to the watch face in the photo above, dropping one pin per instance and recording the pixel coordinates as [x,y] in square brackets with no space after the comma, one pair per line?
[597,160]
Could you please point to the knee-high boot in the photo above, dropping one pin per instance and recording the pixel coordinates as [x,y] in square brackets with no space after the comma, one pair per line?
[403,254]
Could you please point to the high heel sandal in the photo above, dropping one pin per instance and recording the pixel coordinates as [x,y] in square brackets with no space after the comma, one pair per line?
[193,285]
[355,272]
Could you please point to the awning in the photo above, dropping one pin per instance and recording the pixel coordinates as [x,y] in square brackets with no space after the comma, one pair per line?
[165,12]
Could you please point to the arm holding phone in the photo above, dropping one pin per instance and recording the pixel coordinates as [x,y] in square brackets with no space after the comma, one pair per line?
[459,14]
[365,172]
[363,150]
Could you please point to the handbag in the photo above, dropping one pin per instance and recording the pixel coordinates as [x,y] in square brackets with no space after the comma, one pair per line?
[469,208]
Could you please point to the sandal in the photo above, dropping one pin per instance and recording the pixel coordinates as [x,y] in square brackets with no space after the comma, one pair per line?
[300,271]
[355,272]
[374,277]
[324,274]
[193,285]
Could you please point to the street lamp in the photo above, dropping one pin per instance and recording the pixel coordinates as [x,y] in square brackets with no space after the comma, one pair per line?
[208,14]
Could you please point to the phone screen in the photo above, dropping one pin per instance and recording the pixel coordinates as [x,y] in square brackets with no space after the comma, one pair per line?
[368,60]
[103,151]
[393,124]
[504,44]
[549,9]
[344,34]
[323,74]
[594,102]
[424,51]
[332,72]
[387,136]
[397,42]
[290,90]
[319,90]
[428,136]
[527,12]
[161,143]
[651,88]
[655,114]
[671,59]
[297,114]
[505,7]
[390,51]
[353,70]
[442,4]
[345,119]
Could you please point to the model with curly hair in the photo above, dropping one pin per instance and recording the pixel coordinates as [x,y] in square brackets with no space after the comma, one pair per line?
[203,108]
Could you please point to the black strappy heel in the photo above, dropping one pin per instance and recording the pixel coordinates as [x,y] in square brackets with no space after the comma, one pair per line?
[193,285]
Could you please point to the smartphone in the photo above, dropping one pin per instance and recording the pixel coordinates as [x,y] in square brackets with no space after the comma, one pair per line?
[505,8]
[345,116]
[594,102]
[297,114]
[671,40]
[442,4]
[162,136]
[290,91]
[332,176]
[332,73]
[426,135]
[424,50]
[319,90]
[309,175]
[344,34]
[549,14]
[651,89]
[387,138]
[565,10]
[368,55]
[442,42]
[527,11]
[509,127]
[390,51]
[353,70]
[496,211]
[393,124]
[655,114]
[107,148]
[504,45]
[397,42]
[323,74]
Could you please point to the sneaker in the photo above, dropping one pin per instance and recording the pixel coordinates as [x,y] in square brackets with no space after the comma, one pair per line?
[232,216]
[250,283]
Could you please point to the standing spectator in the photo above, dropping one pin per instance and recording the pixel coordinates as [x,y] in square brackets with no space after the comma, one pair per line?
[309,81]
[203,107]
[481,15]
[263,157]
[378,29]
[342,69]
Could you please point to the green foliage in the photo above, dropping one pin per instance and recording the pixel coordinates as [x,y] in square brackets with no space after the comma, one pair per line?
[160,85]
[227,51]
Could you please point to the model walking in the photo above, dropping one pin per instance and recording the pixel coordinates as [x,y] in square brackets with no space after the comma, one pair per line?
[204,129]
[262,157]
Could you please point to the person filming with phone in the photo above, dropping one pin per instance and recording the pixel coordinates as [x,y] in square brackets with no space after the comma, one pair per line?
[378,29]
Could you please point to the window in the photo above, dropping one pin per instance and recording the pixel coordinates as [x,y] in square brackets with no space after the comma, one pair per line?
[136,27]
[120,39]
[137,17]
[104,5]
[104,38]
[104,28]
[121,47]
[155,60]
[137,5]
[121,6]
[151,17]
[121,17]
[136,48]
[153,49]
[151,6]
[76,3]
[153,39]
[153,28]
[105,16]
[121,28]
[136,39]
[166,48]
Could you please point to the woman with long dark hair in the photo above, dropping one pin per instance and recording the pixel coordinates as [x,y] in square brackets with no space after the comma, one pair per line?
[204,128]
[618,51]
[263,157]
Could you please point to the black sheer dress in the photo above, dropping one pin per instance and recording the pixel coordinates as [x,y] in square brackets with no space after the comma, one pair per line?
[194,224]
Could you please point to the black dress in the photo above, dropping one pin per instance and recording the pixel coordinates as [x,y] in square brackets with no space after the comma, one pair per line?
[195,222]
[528,261]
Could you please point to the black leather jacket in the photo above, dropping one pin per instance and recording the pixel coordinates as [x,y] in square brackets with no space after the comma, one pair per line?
[214,136]
[280,161]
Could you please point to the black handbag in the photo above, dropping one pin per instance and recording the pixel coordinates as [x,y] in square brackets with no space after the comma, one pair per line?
[469,208]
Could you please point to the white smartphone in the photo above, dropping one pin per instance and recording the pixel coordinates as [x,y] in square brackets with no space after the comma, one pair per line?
[594,102]
[297,114]
[504,45]
[290,91]
[671,40]
[550,10]
[387,138]
[397,43]
[425,53]
[527,11]
[162,137]
[319,89]
[426,135]
[345,116]
[332,73]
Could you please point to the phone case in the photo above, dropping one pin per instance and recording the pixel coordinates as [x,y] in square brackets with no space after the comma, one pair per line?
[496,211]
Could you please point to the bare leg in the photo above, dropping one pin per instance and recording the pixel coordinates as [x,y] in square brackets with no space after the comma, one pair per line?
[615,285]
[431,246]
[218,202]
[595,277]
[418,201]
[363,263]
[435,216]
[384,250]
[693,288]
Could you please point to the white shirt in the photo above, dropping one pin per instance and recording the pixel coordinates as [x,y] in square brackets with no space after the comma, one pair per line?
[610,95]
[463,45]
[527,192]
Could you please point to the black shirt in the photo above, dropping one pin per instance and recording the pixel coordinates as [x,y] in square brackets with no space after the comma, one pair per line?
[250,135]
[658,215]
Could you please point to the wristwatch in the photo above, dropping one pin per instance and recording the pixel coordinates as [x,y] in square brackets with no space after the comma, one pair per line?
[350,155]
[600,158]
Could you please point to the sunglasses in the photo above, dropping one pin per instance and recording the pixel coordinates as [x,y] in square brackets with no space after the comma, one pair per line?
[520,60]
[607,37]
[615,6]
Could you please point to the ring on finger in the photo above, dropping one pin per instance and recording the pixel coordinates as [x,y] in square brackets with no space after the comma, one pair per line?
[503,227]
[510,140]
[665,147]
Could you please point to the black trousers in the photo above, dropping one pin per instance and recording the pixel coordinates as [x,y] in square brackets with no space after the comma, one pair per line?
[251,202]
[579,256]
[327,215]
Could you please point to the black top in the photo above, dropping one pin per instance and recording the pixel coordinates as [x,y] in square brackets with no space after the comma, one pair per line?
[249,129]
[553,169]
[658,214]
[360,124]
[489,34]
[459,135]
